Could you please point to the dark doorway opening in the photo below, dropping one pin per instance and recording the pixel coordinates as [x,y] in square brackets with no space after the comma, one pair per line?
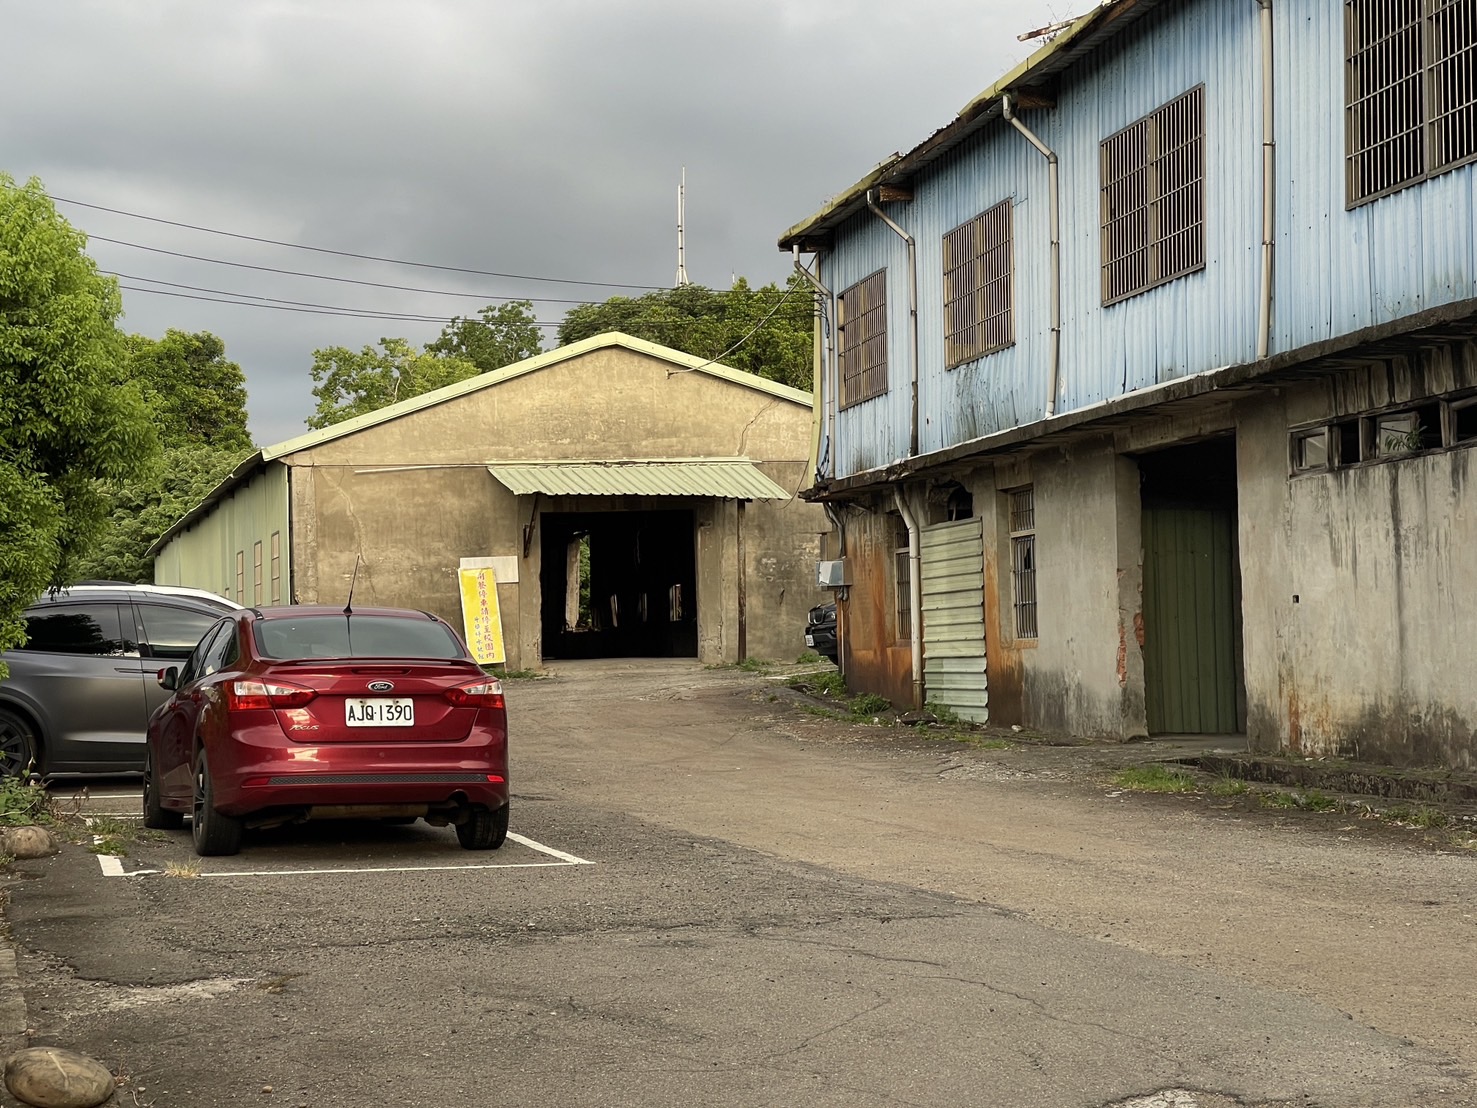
[1193,677]
[619,584]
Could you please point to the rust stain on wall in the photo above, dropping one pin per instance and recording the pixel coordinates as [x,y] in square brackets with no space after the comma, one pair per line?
[876,662]
[1003,676]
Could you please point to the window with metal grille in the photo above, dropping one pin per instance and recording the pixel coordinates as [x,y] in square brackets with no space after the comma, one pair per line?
[863,332]
[1023,559]
[979,315]
[240,577]
[1153,198]
[276,567]
[1410,91]
[902,580]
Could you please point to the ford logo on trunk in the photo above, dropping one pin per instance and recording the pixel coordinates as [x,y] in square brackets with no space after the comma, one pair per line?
[381,686]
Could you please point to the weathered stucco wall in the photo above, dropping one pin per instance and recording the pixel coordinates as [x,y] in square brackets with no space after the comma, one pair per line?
[414,497]
[1359,602]
[1083,673]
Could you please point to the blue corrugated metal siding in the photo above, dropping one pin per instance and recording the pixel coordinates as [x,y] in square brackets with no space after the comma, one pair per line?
[1336,270]
[1339,270]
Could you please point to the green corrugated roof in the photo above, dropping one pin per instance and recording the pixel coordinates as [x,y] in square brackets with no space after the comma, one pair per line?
[728,478]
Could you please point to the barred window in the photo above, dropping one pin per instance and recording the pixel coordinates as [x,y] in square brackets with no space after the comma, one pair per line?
[1023,559]
[1153,198]
[863,329]
[979,313]
[1410,91]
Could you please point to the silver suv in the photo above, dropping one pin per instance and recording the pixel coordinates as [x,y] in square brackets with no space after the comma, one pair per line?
[80,692]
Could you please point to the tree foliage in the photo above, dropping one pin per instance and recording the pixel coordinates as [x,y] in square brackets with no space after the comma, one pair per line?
[709,322]
[499,335]
[67,418]
[349,383]
[198,403]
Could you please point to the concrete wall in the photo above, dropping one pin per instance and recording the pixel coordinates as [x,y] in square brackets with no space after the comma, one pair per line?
[1359,608]
[414,497]
[1083,673]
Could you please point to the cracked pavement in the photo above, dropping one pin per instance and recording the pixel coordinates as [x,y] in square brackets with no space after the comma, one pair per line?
[782,911]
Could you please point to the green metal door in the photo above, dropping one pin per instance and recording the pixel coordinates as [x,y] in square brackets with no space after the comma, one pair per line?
[953,581]
[1189,620]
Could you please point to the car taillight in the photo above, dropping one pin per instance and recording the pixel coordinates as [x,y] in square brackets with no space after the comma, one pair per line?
[477,694]
[248,696]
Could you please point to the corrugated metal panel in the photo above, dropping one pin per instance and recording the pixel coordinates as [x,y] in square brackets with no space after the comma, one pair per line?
[729,478]
[1339,270]
[953,564]
[203,555]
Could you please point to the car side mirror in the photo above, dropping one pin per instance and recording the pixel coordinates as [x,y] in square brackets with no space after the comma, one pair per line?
[169,678]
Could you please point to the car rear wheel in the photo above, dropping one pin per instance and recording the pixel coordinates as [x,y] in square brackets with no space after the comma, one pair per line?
[18,745]
[155,814]
[484,829]
[213,833]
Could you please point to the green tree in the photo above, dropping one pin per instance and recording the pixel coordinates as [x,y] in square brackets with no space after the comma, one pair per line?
[196,396]
[197,399]
[499,335]
[765,331]
[349,384]
[68,419]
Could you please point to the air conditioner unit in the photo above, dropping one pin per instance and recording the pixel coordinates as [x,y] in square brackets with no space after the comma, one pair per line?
[832,574]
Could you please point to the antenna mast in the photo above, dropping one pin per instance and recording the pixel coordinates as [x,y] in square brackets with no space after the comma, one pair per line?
[681,211]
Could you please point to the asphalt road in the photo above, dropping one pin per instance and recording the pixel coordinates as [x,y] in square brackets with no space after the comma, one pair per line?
[718,900]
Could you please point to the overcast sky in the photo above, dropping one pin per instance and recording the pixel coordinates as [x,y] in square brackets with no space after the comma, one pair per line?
[540,138]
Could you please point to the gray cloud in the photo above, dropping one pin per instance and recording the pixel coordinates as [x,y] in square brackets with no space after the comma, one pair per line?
[539,138]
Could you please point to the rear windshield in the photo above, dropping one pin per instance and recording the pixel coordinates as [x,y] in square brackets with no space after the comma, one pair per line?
[341,636]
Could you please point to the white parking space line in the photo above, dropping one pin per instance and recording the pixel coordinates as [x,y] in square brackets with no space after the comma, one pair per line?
[112,866]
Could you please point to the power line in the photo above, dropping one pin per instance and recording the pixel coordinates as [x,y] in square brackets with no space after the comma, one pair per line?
[254,296]
[327,277]
[342,253]
[349,313]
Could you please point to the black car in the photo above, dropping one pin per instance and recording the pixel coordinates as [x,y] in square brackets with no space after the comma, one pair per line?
[820,630]
[80,691]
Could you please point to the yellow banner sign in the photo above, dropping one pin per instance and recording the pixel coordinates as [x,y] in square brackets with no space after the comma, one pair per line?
[481,618]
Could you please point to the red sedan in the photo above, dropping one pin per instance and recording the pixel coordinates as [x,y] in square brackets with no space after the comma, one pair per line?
[287,714]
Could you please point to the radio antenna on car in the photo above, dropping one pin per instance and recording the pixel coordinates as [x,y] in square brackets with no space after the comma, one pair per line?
[353,580]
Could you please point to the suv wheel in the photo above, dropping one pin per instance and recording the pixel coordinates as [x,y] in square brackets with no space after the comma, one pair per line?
[213,833]
[18,745]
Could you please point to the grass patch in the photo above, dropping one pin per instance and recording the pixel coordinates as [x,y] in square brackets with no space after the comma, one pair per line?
[943,713]
[810,657]
[514,674]
[1425,817]
[1155,779]
[181,869]
[756,665]
[1226,785]
[821,684]
[1315,801]
[23,803]
[869,704]
[1277,800]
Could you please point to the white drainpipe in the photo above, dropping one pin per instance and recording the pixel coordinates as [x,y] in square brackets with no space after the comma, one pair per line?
[912,315]
[827,403]
[915,592]
[1269,187]
[1053,199]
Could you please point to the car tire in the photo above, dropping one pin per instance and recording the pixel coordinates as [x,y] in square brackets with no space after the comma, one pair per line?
[214,834]
[484,828]
[19,747]
[156,815]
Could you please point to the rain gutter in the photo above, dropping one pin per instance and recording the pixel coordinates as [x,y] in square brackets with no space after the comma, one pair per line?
[1269,186]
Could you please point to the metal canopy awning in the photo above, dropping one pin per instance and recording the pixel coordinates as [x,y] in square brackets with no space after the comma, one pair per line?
[728,478]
